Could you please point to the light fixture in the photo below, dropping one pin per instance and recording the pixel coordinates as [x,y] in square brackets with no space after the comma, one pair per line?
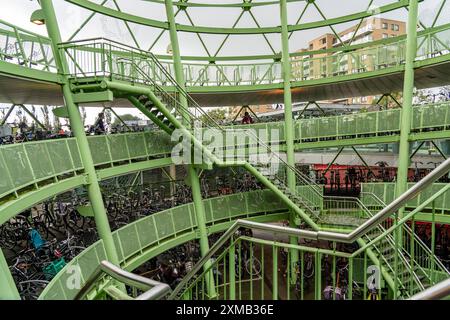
[38,17]
[169,49]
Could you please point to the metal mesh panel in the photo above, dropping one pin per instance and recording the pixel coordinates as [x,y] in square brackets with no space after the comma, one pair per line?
[60,155]
[181,218]
[147,231]
[389,120]
[254,201]
[40,160]
[164,224]
[5,183]
[118,147]
[158,143]
[435,116]
[99,150]
[18,166]
[221,208]
[327,126]
[309,128]
[236,204]
[136,145]
[118,246]
[73,147]
[346,125]
[129,240]
[416,117]
[366,122]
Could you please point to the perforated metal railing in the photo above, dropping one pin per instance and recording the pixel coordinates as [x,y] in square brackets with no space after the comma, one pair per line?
[372,58]
[385,191]
[141,240]
[28,164]
[25,164]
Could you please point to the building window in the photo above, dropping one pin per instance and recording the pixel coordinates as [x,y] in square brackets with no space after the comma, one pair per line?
[311,46]
[323,41]
[363,99]
[385,35]
[334,40]
[384,25]
[395,27]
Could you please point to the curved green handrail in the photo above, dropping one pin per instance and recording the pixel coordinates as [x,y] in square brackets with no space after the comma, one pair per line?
[141,240]
[34,164]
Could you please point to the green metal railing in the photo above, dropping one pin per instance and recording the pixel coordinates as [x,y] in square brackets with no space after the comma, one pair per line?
[29,164]
[25,48]
[98,57]
[386,193]
[304,67]
[407,278]
[143,239]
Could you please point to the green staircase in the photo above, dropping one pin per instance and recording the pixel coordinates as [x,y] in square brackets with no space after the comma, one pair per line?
[404,274]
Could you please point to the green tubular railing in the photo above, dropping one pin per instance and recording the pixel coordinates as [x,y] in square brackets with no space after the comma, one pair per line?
[25,48]
[152,290]
[375,57]
[419,256]
[402,277]
[144,239]
[386,193]
[136,64]
[347,208]
[86,60]
[232,285]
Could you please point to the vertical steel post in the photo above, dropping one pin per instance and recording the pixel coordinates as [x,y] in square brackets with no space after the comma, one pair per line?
[289,124]
[8,289]
[93,188]
[406,119]
[192,173]
[232,271]
[408,87]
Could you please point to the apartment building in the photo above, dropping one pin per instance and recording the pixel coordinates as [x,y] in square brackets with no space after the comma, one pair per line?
[326,64]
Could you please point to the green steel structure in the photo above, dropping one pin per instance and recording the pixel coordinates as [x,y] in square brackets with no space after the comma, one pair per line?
[172,91]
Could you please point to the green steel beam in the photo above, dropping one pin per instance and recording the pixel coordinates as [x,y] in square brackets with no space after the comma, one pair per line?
[408,92]
[439,150]
[8,289]
[288,126]
[90,97]
[17,71]
[212,30]
[40,124]
[10,110]
[191,171]
[11,208]
[93,188]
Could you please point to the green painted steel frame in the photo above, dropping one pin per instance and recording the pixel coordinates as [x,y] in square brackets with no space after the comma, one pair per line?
[171,227]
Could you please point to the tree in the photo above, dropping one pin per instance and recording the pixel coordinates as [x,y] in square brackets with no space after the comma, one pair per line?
[217,114]
[125,117]
[45,112]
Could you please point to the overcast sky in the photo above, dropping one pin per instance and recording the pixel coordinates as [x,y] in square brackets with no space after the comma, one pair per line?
[70,18]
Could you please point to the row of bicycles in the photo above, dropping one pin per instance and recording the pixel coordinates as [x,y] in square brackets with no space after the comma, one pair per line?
[53,232]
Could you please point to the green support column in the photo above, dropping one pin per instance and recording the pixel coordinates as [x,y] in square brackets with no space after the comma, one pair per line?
[192,173]
[403,158]
[8,290]
[408,87]
[289,124]
[95,196]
